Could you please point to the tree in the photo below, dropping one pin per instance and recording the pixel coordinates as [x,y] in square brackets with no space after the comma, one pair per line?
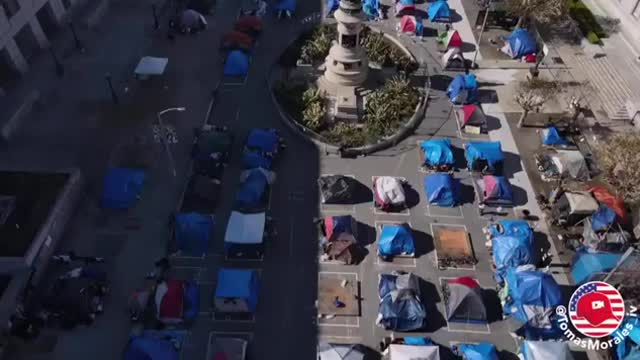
[619,158]
[532,94]
[544,11]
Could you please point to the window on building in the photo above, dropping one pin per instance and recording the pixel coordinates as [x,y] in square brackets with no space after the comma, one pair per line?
[11,7]
[636,10]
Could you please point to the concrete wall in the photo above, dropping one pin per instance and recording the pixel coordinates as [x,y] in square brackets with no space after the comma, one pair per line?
[628,11]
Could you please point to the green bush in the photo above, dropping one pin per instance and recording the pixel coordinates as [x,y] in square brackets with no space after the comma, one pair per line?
[314,109]
[345,134]
[586,20]
[317,47]
[389,106]
[593,37]
[376,46]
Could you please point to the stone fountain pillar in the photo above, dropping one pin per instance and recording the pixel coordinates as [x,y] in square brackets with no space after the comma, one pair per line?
[347,63]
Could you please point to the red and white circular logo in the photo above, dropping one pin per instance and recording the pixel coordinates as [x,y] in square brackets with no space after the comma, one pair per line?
[596,309]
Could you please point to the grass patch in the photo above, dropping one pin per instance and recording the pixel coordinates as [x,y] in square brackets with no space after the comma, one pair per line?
[587,22]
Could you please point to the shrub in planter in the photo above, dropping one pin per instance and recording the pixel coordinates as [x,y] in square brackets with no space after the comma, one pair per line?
[377,47]
[317,47]
[586,20]
[345,134]
[389,106]
[313,114]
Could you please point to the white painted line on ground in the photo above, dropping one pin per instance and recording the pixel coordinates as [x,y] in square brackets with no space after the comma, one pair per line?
[227,319]
[429,214]
[435,249]
[357,325]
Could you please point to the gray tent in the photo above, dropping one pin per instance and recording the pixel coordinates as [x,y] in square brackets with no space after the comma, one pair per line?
[327,351]
[231,348]
[570,163]
[546,350]
[610,241]
[464,301]
[453,59]
[410,352]
[573,206]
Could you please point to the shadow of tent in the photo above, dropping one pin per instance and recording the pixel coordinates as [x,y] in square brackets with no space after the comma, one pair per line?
[520,197]
[430,298]
[467,47]
[366,234]
[423,242]
[460,162]
[455,16]
[493,123]
[412,197]
[440,82]
[512,164]
[466,194]
[487,96]
[507,355]
[492,304]
[361,193]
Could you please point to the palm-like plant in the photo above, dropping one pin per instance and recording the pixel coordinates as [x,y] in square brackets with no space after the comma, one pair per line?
[387,107]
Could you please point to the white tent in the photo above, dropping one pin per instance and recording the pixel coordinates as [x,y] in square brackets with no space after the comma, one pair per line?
[546,350]
[410,352]
[327,351]
[245,228]
[581,202]
[572,163]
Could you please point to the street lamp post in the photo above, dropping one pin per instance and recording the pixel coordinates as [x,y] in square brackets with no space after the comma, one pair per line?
[59,67]
[484,24]
[156,23]
[79,45]
[114,96]
[163,137]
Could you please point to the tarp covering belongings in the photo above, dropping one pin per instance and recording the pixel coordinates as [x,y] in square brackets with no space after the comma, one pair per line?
[439,11]
[244,236]
[464,301]
[602,219]
[371,8]
[408,24]
[410,352]
[340,239]
[396,240]
[570,163]
[237,40]
[628,349]
[571,207]
[255,159]
[340,189]
[531,297]
[286,5]
[264,140]
[441,189]
[471,116]
[551,136]
[615,241]
[480,351]
[484,156]
[236,64]
[519,44]
[453,59]
[237,290]
[496,188]
[449,39]
[327,351]
[159,345]
[615,203]
[176,301]
[227,348]
[254,187]
[251,25]
[463,89]
[506,227]
[405,7]
[122,188]
[192,233]
[585,265]
[401,308]
[546,350]
[510,252]
[437,152]
[388,192]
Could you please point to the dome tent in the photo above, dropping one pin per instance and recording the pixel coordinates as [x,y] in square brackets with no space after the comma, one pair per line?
[236,64]
[441,189]
[439,11]
[464,302]
[396,240]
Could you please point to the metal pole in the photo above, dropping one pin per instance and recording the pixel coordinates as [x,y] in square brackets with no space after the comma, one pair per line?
[59,67]
[484,24]
[79,45]
[156,23]
[163,138]
[114,96]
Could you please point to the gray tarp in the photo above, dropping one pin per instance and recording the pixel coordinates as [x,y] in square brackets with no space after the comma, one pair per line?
[410,352]
[232,348]
[400,308]
[546,350]
[327,351]
[581,202]
[571,163]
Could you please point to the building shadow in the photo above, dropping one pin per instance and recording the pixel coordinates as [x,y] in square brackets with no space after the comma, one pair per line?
[430,298]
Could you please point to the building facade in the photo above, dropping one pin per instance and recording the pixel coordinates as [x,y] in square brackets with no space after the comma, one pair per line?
[24,26]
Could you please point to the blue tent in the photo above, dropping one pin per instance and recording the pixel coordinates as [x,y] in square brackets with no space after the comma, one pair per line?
[439,12]
[585,264]
[532,293]
[192,300]
[480,351]
[511,252]
[489,151]
[551,136]
[417,341]
[149,348]
[463,89]
[396,240]
[521,43]
[265,140]
[122,187]
[238,284]
[286,5]
[253,188]
[254,159]
[237,64]
[441,189]
[519,228]
[332,6]
[400,306]
[496,188]
[437,152]
[371,8]
[603,218]
[192,233]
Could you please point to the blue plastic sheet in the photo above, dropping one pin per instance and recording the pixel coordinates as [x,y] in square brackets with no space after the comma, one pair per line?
[265,140]
[192,300]
[238,283]
[441,190]
[518,228]
[481,351]
[237,64]
[332,5]
[521,43]
[439,12]
[146,348]
[585,264]
[122,187]
[456,89]
[417,341]
[192,233]
[603,218]
[286,5]
[437,152]
[553,137]
[489,151]
[252,190]
[510,252]
[395,240]
[531,292]
[254,159]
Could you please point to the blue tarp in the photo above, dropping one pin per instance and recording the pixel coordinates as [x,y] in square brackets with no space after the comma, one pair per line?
[463,89]
[437,152]
[518,228]
[531,292]
[552,137]
[192,300]
[545,350]
[146,348]
[237,64]
[253,188]
[406,313]
[371,8]
[501,191]
[439,12]
[510,252]
[122,188]
[628,349]
[288,5]
[238,283]
[417,341]
[192,233]
[441,190]
[332,5]
[395,240]
[585,264]
[342,224]
[490,151]
[521,43]
[253,159]
[481,351]
[407,2]
[603,218]
[265,140]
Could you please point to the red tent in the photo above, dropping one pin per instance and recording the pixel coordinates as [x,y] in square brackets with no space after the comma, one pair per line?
[607,198]
[248,24]
[170,300]
[408,24]
[470,115]
[453,39]
[237,39]
[466,281]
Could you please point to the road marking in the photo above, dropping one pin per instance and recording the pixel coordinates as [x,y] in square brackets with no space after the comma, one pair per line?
[357,325]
